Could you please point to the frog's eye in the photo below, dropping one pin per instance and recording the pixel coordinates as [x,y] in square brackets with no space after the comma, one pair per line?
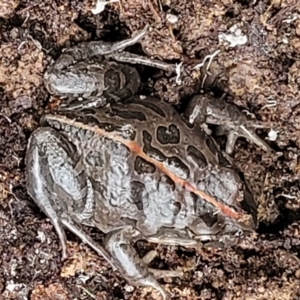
[197,156]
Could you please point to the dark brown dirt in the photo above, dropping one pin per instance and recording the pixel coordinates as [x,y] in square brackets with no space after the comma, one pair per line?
[261,76]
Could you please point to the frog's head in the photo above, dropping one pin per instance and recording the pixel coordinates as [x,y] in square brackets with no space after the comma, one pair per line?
[227,195]
[226,211]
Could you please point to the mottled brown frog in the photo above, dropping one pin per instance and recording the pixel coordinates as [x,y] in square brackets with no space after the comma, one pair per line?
[135,169]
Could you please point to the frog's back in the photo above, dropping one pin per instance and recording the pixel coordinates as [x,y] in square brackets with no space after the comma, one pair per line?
[149,167]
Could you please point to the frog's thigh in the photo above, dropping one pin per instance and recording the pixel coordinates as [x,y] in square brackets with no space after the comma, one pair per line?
[130,264]
[52,180]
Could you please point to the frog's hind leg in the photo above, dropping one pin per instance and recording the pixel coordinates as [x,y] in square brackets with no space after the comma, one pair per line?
[56,180]
[130,264]
[87,50]
[38,190]
[64,79]
[131,58]
[115,51]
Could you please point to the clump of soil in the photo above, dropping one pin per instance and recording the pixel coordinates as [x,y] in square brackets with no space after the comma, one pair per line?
[254,50]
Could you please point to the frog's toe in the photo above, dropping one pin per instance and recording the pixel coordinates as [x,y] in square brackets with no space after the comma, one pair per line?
[231,140]
[150,281]
[166,273]
[63,242]
[233,133]
[254,138]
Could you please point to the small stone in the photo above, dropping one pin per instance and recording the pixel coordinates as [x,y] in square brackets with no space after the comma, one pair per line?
[172,18]
[273,135]
[129,288]
[235,37]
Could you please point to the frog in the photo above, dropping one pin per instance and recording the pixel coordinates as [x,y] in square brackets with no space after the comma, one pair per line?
[133,167]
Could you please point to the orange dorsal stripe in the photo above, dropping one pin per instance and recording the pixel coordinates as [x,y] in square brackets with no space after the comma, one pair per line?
[134,147]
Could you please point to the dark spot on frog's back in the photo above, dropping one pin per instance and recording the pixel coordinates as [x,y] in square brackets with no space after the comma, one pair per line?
[197,157]
[204,210]
[137,194]
[149,150]
[172,164]
[141,166]
[149,103]
[223,162]
[168,135]
[130,115]
[212,147]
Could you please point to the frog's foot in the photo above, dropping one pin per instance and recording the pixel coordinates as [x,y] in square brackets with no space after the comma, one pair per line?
[147,259]
[89,241]
[234,132]
[130,264]
[233,123]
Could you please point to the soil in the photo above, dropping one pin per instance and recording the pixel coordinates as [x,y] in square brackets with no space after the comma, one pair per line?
[255,48]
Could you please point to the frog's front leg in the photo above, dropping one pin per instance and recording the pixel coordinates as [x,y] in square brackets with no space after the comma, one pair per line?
[130,265]
[87,50]
[230,120]
[59,185]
